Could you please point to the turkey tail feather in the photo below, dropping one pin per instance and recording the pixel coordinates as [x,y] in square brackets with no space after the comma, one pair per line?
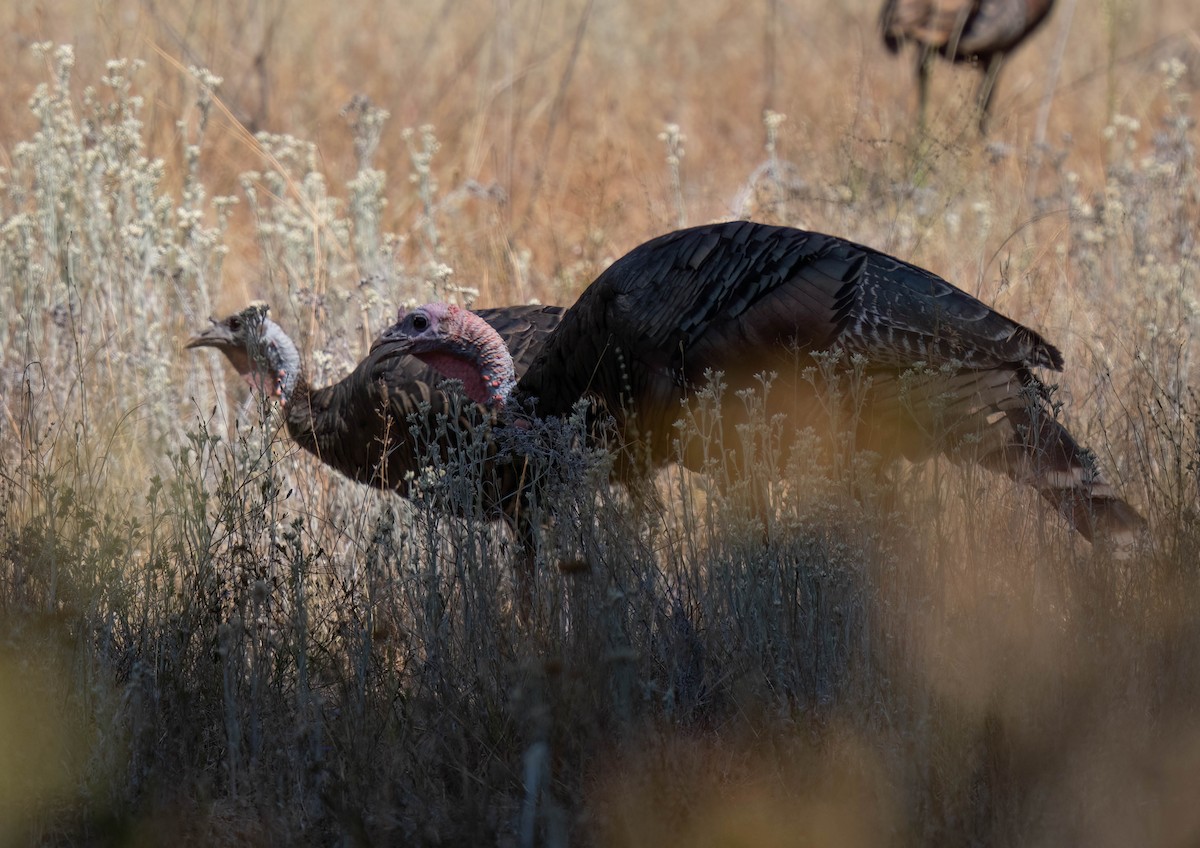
[1039,452]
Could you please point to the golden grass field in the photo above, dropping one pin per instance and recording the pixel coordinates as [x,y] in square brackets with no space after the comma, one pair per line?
[207,638]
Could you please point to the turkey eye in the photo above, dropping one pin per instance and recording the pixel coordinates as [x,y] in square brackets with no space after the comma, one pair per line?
[420,322]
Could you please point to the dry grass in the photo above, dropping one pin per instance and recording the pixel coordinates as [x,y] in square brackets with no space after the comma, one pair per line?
[206,638]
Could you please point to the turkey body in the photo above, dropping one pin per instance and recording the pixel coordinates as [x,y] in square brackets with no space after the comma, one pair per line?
[744,299]
[983,31]
[939,370]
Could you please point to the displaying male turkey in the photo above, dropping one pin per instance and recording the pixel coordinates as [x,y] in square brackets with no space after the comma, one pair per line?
[361,425]
[943,372]
[981,31]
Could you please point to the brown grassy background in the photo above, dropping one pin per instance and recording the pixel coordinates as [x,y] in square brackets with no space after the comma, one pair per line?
[559,105]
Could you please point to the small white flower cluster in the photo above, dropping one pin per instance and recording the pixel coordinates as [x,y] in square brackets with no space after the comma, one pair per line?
[674,138]
[99,262]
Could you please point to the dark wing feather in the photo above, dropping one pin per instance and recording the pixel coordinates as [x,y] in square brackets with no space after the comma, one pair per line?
[903,313]
[735,296]
[523,328]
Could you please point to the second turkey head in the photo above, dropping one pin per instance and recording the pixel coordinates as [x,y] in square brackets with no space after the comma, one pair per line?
[458,344]
[257,347]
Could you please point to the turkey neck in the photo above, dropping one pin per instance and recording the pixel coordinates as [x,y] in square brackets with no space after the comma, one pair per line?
[298,414]
[311,415]
[319,421]
[342,425]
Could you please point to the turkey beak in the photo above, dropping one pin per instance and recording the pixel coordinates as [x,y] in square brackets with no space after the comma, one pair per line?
[218,335]
[391,338]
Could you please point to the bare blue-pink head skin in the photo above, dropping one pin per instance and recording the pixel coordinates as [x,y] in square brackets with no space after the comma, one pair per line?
[458,344]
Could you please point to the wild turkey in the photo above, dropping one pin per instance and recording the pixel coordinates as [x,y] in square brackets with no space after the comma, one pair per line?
[361,424]
[982,31]
[944,372]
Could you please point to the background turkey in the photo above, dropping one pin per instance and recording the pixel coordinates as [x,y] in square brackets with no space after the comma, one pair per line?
[981,31]
[946,372]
